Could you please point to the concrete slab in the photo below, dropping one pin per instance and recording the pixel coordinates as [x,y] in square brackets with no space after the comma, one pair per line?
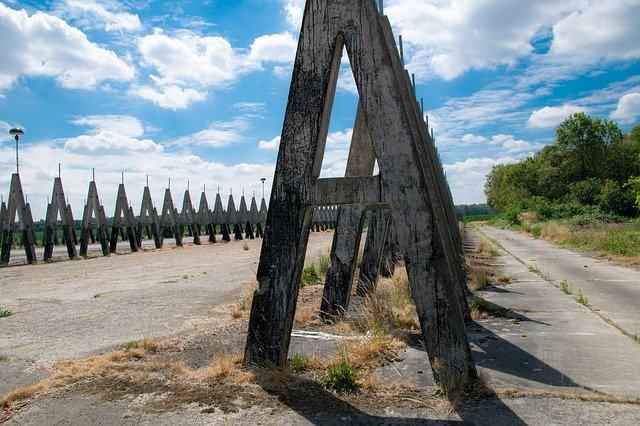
[613,290]
[552,340]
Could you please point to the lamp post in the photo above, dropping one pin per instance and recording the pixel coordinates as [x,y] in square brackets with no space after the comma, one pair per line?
[16,132]
[263,180]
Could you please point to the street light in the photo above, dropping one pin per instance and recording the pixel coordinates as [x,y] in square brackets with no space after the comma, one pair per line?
[16,132]
[262,180]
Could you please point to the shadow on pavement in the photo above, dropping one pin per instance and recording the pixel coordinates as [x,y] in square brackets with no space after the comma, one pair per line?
[321,407]
[501,355]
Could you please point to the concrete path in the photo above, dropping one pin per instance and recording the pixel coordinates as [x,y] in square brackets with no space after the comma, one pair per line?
[552,341]
[612,290]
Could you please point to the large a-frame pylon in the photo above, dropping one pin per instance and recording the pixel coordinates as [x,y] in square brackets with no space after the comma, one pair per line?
[17,205]
[408,184]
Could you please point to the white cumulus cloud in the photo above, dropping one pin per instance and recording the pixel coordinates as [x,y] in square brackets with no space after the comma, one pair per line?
[279,48]
[109,141]
[601,29]
[96,14]
[169,97]
[628,109]
[43,45]
[123,124]
[449,37]
[552,116]
[271,145]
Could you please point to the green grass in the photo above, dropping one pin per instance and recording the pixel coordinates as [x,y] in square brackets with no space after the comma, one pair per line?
[130,345]
[481,305]
[310,276]
[342,378]
[582,299]
[566,287]
[299,363]
[535,270]
[5,313]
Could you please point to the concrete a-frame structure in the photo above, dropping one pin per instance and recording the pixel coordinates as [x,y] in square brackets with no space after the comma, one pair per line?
[407,184]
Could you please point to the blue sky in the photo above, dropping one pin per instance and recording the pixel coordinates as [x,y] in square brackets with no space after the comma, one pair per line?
[195,91]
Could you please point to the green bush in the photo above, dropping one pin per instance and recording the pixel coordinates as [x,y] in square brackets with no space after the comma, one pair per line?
[341,378]
[614,199]
[310,276]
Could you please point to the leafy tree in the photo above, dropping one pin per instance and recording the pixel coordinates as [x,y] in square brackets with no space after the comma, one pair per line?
[586,142]
[588,165]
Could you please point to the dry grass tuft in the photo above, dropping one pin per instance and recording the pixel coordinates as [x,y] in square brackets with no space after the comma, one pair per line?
[244,299]
[554,231]
[371,352]
[457,388]
[227,367]
[479,274]
[307,315]
[484,245]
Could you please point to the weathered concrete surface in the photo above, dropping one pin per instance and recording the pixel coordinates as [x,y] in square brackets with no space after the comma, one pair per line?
[56,314]
[93,410]
[556,343]
[612,290]
[566,349]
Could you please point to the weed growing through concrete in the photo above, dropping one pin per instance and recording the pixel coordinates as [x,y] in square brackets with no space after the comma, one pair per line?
[535,270]
[566,287]
[298,363]
[5,313]
[480,308]
[147,345]
[309,276]
[582,299]
[4,358]
[95,296]
[245,246]
[342,378]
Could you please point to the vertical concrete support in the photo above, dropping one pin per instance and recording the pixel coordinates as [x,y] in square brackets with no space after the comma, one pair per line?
[169,221]
[17,205]
[391,254]
[58,206]
[188,218]
[243,218]
[373,251]
[93,211]
[205,218]
[254,217]
[123,221]
[74,234]
[148,220]
[3,214]
[442,203]
[220,218]
[346,239]
[262,217]
[403,185]
[232,219]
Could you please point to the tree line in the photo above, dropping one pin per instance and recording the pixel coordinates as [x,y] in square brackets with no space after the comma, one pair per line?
[592,167]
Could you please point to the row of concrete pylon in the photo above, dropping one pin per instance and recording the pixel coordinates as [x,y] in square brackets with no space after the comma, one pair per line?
[231,223]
